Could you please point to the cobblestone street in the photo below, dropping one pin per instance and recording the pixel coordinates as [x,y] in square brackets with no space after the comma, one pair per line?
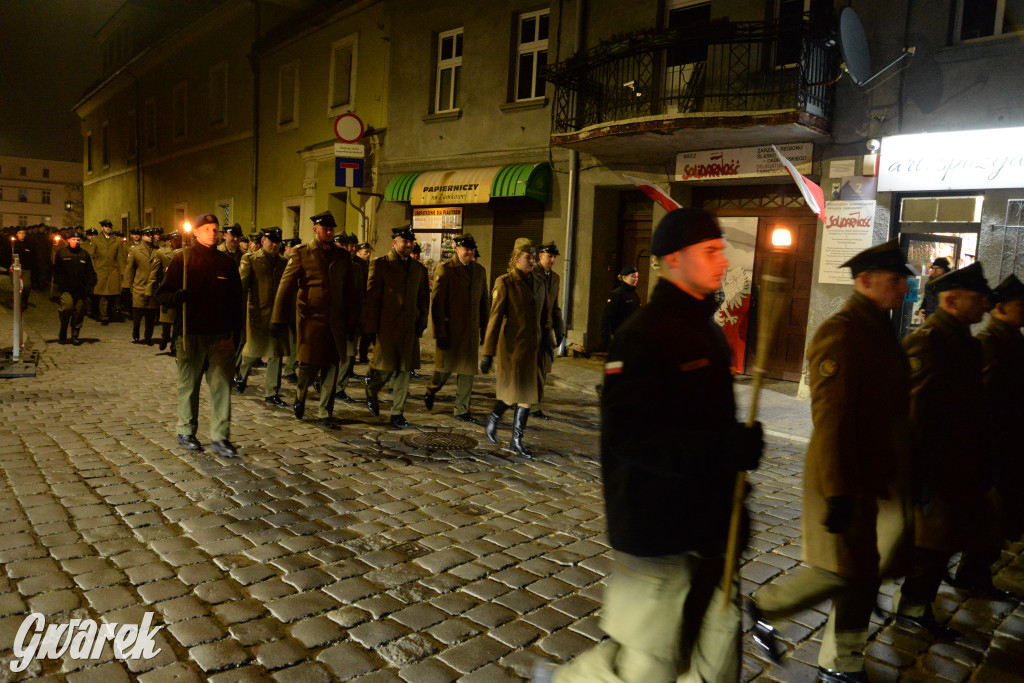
[359,554]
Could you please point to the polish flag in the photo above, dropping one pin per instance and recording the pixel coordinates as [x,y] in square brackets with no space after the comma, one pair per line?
[656,193]
[813,195]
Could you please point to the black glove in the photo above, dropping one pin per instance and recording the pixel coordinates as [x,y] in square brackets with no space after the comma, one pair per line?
[749,446]
[277,329]
[840,513]
[485,364]
[443,343]
[180,297]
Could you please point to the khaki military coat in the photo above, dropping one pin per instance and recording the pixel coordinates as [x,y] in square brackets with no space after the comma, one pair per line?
[235,255]
[161,259]
[319,285]
[552,285]
[108,258]
[261,275]
[949,438]
[136,275]
[860,399]
[397,310]
[519,335]
[459,307]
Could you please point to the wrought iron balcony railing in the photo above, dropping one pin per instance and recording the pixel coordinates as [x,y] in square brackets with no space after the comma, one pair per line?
[714,69]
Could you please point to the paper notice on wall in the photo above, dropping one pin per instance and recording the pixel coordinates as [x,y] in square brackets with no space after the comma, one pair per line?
[847,233]
[842,168]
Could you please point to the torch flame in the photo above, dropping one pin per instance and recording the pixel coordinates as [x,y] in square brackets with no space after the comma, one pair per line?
[187,226]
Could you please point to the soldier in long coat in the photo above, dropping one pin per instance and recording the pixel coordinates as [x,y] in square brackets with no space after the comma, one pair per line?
[261,273]
[318,284]
[108,258]
[134,240]
[362,269]
[161,260]
[951,481]
[459,309]
[547,254]
[396,312]
[856,507]
[136,276]
[519,333]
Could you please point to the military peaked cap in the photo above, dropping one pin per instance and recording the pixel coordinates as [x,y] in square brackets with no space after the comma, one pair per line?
[466,241]
[628,270]
[886,256]
[92,231]
[325,219]
[272,234]
[106,223]
[548,248]
[941,262]
[243,238]
[404,231]
[135,231]
[1009,289]
[683,227]
[365,245]
[971,278]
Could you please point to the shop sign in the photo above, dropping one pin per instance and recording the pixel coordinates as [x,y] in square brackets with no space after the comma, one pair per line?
[742,162]
[962,160]
[462,186]
[848,232]
[440,219]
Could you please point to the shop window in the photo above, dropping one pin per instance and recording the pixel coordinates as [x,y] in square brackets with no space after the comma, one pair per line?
[46,197]
[288,96]
[218,94]
[179,111]
[342,90]
[531,54]
[449,69]
[985,18]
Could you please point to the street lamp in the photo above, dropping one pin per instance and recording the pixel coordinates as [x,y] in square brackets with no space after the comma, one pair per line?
[781,237]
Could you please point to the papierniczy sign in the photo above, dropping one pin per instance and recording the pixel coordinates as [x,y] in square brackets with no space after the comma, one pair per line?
[962,160]
[81,639]
[742,162]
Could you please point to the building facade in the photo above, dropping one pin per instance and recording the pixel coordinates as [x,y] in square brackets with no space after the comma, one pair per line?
[40,191]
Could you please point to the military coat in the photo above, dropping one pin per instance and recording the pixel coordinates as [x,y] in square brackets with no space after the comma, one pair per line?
[951,458]
[397,310]
[261,274]
[235,255]
[136,275]
[459,306]
[319,285]
[160,261]
[552,285]
[108,258]
[519,334]
[860,400]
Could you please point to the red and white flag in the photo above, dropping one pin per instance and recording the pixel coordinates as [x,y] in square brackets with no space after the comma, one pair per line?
[656,193]
[813,195]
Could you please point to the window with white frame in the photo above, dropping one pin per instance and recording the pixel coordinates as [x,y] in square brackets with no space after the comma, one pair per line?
[88,152]
[531,54]
[341,94]
[987,18]
[132,142]
[218,94]
[105,144]
[288,96]
[149,123]
[224,212]
[179,111]
[449,70]
[46,197]
[147,217]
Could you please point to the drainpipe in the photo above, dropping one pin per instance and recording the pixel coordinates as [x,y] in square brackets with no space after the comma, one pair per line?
[571,211]
[139,115]
[255,64]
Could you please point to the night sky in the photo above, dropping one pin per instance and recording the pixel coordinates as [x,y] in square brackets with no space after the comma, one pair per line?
[48,57]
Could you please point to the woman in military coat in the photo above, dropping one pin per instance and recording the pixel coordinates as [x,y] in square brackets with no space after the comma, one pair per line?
[136,278]
[518,333]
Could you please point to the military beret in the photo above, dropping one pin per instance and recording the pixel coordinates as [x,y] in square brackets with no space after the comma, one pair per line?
[403,231]
[208,218]
[272,234]
[628,270]
[886,256]
[548,248]
[325,219]
[941,262]
[1008,290]
[74,232]
[971,278]
[683,227]
[106,223]
[524,244]
[466,241]
[92,231]
[417,248]
[365,245]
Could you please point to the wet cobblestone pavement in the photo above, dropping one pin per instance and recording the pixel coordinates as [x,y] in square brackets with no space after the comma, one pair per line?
[359,554]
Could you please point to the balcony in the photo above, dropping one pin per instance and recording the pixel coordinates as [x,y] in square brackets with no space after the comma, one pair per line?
[649,95]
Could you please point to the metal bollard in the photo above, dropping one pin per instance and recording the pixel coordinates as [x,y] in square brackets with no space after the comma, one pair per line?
[16,286]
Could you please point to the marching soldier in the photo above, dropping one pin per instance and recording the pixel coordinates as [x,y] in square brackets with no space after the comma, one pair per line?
[136,276]
[231,244]
[621,303]
[74,277]
[319,284]
[459,308]
[362,270]
[856,507]
[211,319]
[261,274]
[108,258]
[950,482]
[161,261]
[363,253]
[290,363]
[546,256]
[397,306]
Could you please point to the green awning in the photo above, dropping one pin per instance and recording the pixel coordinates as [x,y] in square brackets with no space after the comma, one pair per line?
[471,185]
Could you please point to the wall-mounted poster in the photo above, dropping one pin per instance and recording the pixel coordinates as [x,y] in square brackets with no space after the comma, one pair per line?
[733,315]
[435,227]
[847,232]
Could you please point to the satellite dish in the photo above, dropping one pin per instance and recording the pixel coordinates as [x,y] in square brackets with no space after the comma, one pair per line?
[853,44]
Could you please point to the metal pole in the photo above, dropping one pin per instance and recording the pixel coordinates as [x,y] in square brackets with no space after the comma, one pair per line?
[16,286]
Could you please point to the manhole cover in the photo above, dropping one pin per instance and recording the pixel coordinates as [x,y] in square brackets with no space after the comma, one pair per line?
[436,441]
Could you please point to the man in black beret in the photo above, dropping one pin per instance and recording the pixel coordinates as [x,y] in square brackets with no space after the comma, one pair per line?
[951,483]
[74,277]
[547,254]
[231,244]
[856,472]
[669,468]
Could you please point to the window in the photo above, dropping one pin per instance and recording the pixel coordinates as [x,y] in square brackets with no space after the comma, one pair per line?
[124,224]
[88,152]
[22,221]
[46,197]
[132,145]
[179,111]
[342,91]
[532,54]
[789,14]
[22,195]
[147,217]
[149,123]
[219,95]
[224,212]
[449,67]
[984,18]
[1,194]
[23,171]
[288,96]
[46,173]
[105,144]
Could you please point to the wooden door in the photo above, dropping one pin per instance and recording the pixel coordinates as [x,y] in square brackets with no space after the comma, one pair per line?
[635,222]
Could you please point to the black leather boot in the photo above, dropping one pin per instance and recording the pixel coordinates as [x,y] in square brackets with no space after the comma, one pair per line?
[518,427]
[65,318]
[491,430]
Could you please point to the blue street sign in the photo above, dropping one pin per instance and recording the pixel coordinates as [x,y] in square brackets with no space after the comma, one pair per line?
[348,172]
